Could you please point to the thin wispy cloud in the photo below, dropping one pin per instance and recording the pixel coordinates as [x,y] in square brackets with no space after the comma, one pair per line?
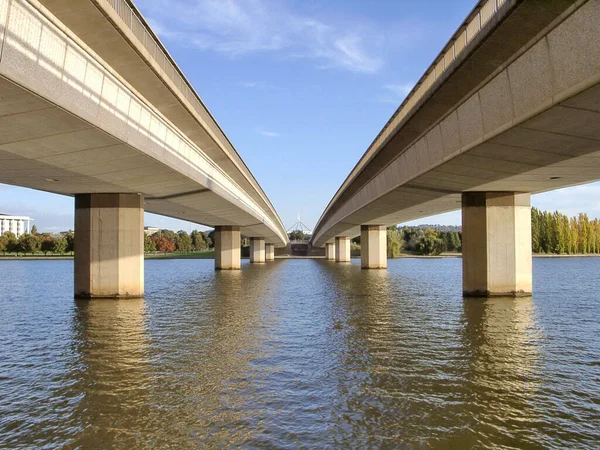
[395,93]
[269,133]
[240,27]
[259,85]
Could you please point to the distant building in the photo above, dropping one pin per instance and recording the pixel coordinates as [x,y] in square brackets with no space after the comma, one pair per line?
[17,224]
[150,230]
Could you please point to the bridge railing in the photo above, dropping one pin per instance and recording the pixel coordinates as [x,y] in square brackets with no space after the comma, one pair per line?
[134,21]
[460,40]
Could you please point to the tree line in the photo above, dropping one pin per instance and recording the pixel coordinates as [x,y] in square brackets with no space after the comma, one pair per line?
[551,232]
[62,243]
[34,242]
[559,234]
[421,241]
[169,241]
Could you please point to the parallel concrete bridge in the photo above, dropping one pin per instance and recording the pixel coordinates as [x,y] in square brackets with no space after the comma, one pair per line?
[93,106]
[510,107]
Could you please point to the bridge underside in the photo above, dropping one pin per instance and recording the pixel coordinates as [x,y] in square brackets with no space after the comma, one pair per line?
[556,149]
[44,147]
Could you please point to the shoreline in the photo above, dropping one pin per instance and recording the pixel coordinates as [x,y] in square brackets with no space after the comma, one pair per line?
[210,255]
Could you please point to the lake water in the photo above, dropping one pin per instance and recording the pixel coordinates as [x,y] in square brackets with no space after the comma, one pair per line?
[300,354]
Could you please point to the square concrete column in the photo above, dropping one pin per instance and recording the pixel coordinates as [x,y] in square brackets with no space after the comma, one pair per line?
[496,244]
[269,252]
[330,251]
[257,250]
[109,246]
[227,248]
[342,249]
[373,247]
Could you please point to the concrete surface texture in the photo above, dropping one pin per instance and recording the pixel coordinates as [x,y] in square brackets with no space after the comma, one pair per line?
[496,244]
[373,247]
[257,250]
[330,251]
[269,252]
[517,112]
[227,248]
[72,122]
[342,249]
[109,246]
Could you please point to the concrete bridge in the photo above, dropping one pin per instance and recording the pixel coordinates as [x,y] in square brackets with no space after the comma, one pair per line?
[510,107]
[93,106]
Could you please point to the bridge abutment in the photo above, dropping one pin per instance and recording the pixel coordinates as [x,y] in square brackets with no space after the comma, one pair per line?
[373,247]
[109,246]
[257,250]
[227,248]
[496,230]
[342,249]
[269,252]
[330,251]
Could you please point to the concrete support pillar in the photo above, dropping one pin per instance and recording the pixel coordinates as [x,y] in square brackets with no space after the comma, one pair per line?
[257,250]
[330,251]
[109,246]
[227,248]
[373,247]
[496,230]
[342,249]
[269,252]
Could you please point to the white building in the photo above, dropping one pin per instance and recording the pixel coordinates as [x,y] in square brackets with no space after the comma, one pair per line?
[150,230]
[17,224]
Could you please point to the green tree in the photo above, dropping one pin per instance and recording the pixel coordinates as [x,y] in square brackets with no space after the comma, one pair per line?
[70,237]
[297,235]
[47,243]
[395,242]
[208,239]
[11,242]
[184,241]
[34,230]
[149,244]
[456,240]
[59,245]
[430,243]
[198,241]
[28,243]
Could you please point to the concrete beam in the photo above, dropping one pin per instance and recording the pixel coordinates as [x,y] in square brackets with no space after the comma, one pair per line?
[373,247]
[257,250]
[109,246]
[227,248]
[342,249]
[269,252]
[330,251]
[496,244]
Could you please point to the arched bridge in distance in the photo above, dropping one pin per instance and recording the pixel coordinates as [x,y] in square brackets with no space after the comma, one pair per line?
[510,107]
[93,106]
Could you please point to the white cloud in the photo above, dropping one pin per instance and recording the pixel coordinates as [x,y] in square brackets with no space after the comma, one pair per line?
[238,27]
[396,93]
[269,133]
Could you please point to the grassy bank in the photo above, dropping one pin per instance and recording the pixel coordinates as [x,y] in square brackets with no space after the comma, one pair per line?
[174,255]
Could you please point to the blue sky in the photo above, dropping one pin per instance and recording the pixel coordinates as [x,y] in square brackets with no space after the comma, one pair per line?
[301,88]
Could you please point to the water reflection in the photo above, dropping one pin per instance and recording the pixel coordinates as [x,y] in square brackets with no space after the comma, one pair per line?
[298,354]
[113,383]
[502,343]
